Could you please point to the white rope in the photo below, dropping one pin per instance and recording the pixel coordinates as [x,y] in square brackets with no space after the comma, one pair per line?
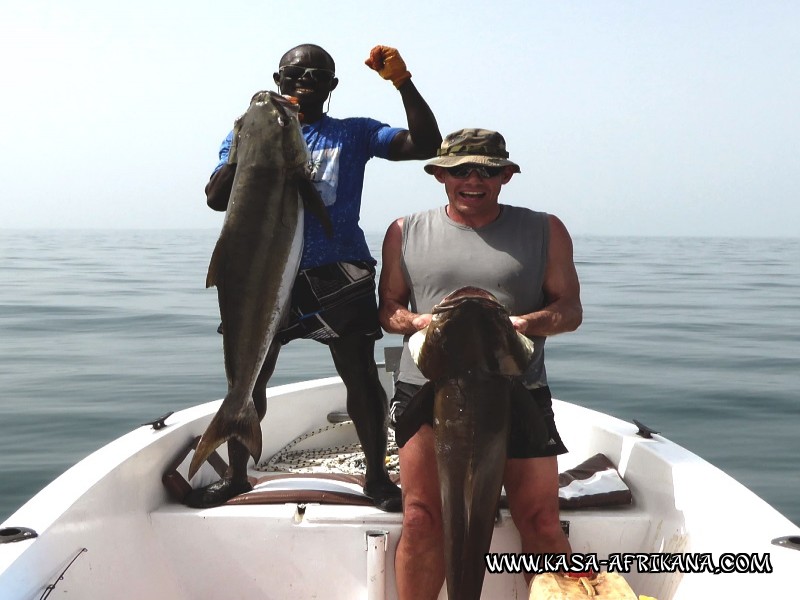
[347,458]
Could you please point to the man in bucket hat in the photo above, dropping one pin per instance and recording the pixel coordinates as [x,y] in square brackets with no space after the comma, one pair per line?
[524,258]
[472,146]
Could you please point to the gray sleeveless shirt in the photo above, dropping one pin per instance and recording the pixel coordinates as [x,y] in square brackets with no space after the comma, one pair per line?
[506,257]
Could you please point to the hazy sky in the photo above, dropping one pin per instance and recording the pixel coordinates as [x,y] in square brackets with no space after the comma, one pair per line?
[640,117]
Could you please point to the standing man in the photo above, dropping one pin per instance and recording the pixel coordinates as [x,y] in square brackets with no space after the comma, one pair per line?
[333,300]
[524,258]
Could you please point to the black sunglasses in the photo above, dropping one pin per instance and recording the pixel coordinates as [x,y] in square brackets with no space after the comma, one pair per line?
[318,75]
[463,171]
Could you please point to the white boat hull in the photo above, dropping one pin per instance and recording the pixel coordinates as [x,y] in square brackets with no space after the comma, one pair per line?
[140,544]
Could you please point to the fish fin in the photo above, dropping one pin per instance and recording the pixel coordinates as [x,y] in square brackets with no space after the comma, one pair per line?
[516,355]
[246,428]
[418,412]
[528,348]
[314,204]
[233,151]
[215,266]
[415,343]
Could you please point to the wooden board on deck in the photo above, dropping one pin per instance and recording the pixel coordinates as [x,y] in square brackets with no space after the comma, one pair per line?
[604,586]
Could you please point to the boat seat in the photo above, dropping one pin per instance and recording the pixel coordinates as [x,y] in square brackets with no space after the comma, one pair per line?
[306,488]
[592,484]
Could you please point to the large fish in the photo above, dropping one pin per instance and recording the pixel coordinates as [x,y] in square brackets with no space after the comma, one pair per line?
[257,257]
[474,360]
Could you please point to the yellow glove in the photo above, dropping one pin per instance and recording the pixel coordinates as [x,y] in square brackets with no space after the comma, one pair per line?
[389,65]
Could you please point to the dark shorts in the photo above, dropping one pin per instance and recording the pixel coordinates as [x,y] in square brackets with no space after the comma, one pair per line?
[332,301]
[520,443]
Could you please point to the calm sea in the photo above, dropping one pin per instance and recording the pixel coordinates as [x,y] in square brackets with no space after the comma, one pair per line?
[698,338]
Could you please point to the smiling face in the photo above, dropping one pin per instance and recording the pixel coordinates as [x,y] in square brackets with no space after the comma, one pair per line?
[473,201]
[307,73]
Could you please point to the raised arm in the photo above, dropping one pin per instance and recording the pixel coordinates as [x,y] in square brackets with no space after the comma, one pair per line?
[563,311]
[422,138]
[393,290]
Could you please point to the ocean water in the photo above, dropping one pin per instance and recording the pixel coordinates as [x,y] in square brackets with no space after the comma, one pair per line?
[101,331]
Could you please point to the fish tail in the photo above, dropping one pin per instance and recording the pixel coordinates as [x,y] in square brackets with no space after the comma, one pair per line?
[215,267]
[242,425]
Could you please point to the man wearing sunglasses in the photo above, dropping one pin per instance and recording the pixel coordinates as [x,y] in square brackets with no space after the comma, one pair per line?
[333,299]
[524,258]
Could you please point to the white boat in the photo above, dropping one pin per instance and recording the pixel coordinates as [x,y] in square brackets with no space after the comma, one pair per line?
[109,528]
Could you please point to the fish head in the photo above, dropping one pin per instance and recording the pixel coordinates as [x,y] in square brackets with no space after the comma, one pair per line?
[269,134]
[471,331]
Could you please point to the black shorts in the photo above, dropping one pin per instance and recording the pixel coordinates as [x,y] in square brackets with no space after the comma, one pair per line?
[332,301]
[520,442]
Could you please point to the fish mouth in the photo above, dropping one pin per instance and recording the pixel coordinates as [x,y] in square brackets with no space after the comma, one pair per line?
[286,102]
[287,105]
[467,294]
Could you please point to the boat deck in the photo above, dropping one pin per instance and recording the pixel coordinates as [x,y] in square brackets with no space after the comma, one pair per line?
[250,532]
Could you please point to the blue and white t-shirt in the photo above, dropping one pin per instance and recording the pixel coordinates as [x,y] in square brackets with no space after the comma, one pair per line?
[340,149]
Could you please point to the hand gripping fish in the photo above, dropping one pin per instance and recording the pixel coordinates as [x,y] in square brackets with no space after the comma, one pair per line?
[473,359]
[257,257]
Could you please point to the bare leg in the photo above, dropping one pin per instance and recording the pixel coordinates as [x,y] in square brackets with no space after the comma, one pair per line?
[367,405]
[235,481]
[419,561]
[532,490]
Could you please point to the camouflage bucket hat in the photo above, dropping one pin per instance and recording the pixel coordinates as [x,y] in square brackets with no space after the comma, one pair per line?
[472,146]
